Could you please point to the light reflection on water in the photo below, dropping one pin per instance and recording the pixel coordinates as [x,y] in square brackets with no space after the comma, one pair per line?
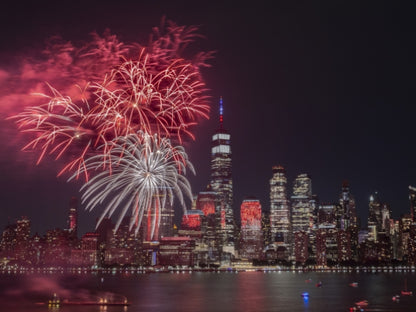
[245,291]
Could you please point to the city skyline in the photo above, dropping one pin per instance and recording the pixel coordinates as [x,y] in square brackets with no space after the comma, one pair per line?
[320,90]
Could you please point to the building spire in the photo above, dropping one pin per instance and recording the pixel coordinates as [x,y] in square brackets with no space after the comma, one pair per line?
[221,113]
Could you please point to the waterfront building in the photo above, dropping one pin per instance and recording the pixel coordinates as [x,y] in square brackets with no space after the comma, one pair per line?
[57,250]
[395,239]
[348,208]
[378,218]
[191,225]
[280,226]
[87,254]
[344,246]
[8,239]
[404,234]
[411,259]
[302,204]
[118,256]
[176,251]
[22,230]
[251,233]
[349,220]
[265,228]
[301,242]
[89,247]
[206,201]
[22,238]
[73,217]
[35,250]
[412,199]
[152,230]
[221,180]
[326,244]
[106,231]
[212,237]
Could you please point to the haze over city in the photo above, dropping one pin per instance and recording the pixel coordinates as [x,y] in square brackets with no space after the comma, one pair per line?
[322,89]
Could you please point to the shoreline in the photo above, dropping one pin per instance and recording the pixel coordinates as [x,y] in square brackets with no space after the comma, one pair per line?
[223,269]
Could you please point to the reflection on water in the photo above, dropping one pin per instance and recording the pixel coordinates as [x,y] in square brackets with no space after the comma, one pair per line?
[244,291]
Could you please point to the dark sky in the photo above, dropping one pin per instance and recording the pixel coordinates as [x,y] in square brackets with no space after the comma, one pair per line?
[322,88]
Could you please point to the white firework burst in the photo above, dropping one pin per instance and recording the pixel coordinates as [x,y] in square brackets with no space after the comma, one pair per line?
[140,173]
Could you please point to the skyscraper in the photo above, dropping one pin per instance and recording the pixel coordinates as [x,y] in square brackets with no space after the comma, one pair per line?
[279,209]
[302,204]
[378,218]
[347,202]
[412,199]
[251,238]
[221,177]
[206,202]
[73,217]
[158,221]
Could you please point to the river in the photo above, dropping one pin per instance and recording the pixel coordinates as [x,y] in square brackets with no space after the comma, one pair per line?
[210,291]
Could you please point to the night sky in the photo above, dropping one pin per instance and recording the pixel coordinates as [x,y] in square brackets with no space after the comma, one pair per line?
[322,89]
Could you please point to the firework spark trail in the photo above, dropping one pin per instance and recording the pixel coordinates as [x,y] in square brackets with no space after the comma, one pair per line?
[144,174]
[156,93]
[116,130]
[169,102]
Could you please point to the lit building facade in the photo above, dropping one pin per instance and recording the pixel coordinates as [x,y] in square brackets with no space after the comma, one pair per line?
[344,246]
[22,230]
[326,244]
[303,204]
[221,178]
[154,231]
[22,238]
[176,251]
[378,218]
[87,255]
[279,207]
[73,217]
[191,221]
[206,202]
[349,221]
[347,202]
[301,253]
[251,231]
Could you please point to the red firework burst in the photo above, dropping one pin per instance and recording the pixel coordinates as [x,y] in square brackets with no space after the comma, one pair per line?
[157,93]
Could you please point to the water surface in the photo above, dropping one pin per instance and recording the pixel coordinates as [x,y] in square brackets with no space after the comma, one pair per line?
[210,291]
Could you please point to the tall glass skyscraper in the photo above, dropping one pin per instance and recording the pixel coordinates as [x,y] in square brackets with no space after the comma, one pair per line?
[378,221]
[347,202]
[221,177]
[302,204]
[279,207]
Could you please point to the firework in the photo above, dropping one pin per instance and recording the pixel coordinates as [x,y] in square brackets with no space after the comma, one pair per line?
[136,97]
[141,176]
[158,93]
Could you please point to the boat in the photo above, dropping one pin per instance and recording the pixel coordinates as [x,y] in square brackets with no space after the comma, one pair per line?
[57,302]
[396,298]
[362,303]
[308,280]
[319,284]
[354,284]
[406,292]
